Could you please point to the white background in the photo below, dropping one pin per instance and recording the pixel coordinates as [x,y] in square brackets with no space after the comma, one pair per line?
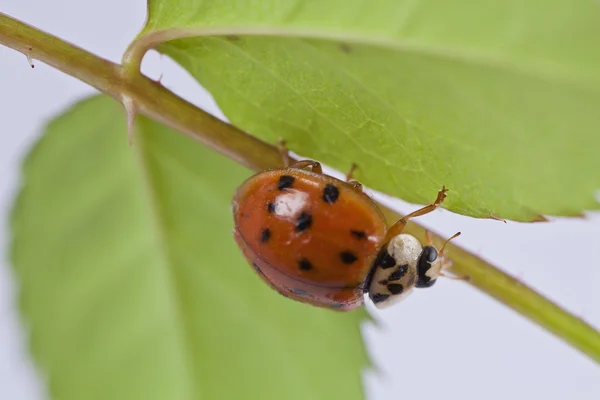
[447,342]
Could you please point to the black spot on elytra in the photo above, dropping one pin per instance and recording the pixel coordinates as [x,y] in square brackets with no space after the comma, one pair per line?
[399,273]
[265,235]
[285,181]
[330,193]
[270,207]
[303,222]
[379,297]
[395,288]
[385,261]
[305,265]
[361,235]
[348,257]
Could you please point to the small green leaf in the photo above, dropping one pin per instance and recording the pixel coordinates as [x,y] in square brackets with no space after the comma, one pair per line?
[496,100]
[133,288]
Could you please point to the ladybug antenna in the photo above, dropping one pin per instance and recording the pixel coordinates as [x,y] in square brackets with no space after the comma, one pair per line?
[441,252]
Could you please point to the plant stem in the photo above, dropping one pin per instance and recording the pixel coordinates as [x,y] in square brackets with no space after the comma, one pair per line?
[148,97]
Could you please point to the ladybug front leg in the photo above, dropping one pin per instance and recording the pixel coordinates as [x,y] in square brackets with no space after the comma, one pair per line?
[399,226]
[315,166]
[351,172]
[284,152]
[356,185]
[285,157]
[446,263]
[429,236]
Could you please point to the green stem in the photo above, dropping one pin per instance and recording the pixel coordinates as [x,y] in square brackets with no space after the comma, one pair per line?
[148,97]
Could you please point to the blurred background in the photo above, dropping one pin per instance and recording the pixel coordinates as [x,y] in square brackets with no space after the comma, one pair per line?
[447,342]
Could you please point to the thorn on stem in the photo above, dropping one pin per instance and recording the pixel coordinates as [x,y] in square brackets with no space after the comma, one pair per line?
[29,59]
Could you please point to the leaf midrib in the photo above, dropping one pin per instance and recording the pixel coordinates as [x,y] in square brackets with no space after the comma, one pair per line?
[556,72]
[172,281]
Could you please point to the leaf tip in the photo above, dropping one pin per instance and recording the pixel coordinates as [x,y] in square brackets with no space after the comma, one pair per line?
[539,218]
[580,215]
[492,216]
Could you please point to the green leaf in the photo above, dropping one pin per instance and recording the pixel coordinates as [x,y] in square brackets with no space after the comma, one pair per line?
[133,288]
[496,100]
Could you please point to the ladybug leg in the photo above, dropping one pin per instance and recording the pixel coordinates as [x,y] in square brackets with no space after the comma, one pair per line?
[455,277]
[446,263]
[429,241]
[315,166]
[351,172]
[399,226]
[285,157]
[356,185]
[284,152]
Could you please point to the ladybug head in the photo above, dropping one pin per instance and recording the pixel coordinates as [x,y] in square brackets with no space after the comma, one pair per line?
[431,263]
[428,267]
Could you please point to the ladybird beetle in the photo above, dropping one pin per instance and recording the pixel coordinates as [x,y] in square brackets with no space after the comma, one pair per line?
[320,240]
